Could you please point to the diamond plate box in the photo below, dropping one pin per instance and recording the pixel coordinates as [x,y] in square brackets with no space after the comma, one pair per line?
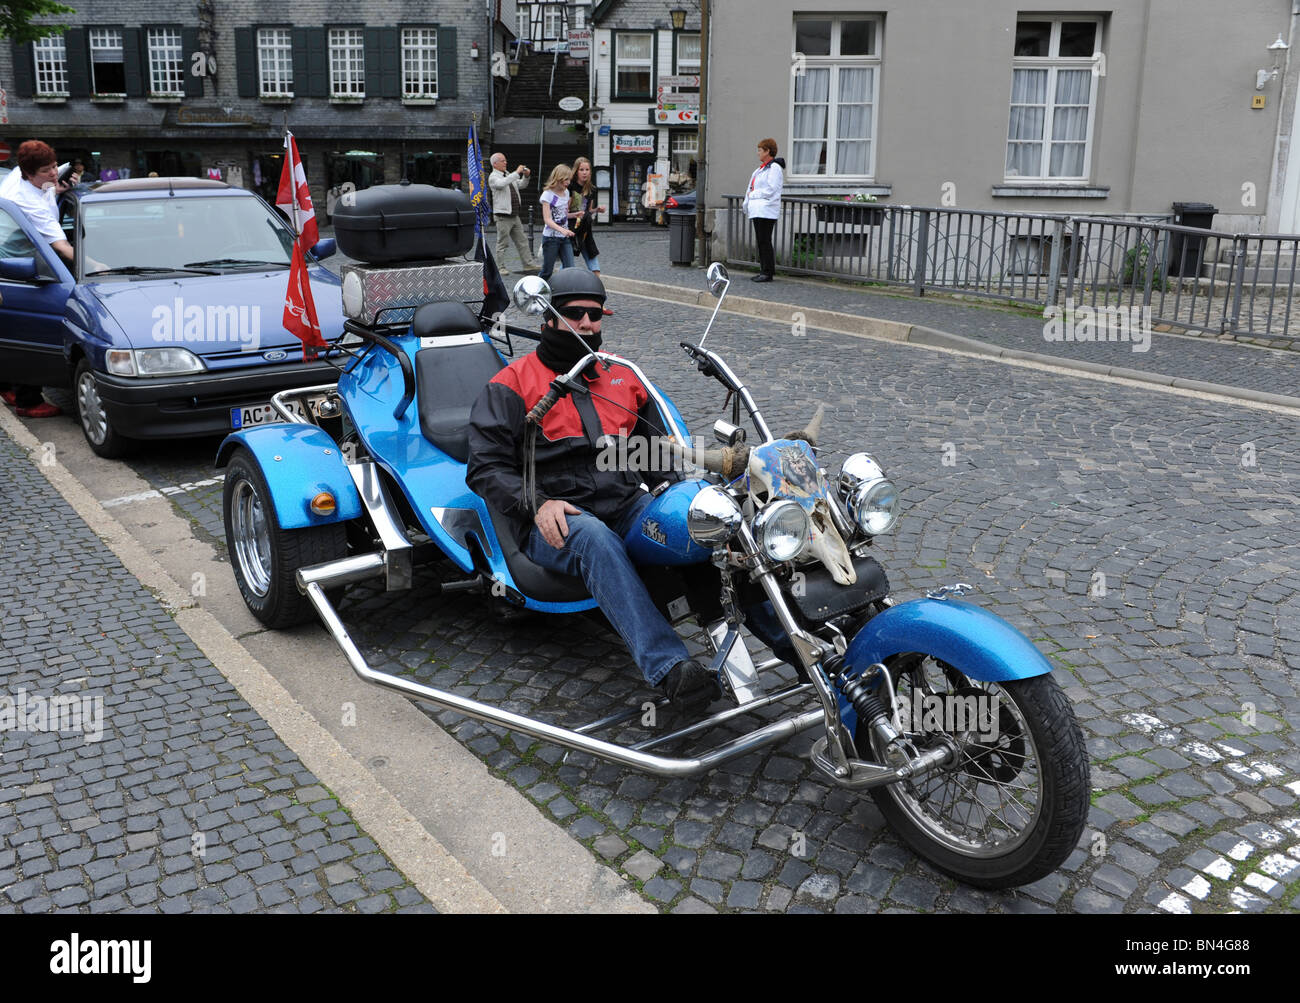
[389,294]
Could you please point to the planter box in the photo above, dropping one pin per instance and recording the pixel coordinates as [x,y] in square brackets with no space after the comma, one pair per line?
[851,214]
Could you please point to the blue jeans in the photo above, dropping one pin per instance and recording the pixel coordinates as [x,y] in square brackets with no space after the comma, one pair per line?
[595,553]
[551,247]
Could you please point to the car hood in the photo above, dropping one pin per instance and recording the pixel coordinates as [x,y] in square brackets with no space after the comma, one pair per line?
[216,315]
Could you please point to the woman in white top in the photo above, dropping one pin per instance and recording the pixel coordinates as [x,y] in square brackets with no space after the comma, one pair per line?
[763,205]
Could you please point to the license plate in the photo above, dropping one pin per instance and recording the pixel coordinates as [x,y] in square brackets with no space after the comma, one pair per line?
[265,414]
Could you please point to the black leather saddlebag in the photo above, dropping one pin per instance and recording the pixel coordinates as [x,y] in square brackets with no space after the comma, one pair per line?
[823,599]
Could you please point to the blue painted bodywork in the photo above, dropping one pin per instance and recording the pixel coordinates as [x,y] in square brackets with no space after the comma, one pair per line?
[298,461]
[972,640]
[661,536]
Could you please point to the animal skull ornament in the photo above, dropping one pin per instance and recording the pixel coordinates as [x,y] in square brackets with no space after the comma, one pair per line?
[787,468]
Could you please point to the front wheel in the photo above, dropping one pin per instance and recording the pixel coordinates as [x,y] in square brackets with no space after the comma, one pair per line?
[266,558]
[100,434]
[1011,806]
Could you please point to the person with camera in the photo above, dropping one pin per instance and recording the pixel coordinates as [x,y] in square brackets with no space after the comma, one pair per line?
[505,210]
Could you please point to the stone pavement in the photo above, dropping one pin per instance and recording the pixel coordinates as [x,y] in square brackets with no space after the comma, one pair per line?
[158,789]
[1128,532]
[643,254]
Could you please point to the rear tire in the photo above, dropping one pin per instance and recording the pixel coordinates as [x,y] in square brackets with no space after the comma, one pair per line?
[266,558]
[1012,808]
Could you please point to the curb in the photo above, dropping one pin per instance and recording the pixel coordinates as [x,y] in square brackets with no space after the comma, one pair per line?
[434,871]
[928,337]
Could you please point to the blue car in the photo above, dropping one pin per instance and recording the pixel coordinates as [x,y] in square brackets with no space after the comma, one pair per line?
[169,324]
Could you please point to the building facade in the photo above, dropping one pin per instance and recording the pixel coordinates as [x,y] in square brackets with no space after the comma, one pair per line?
[1013,105]
[645,84]
[373,92]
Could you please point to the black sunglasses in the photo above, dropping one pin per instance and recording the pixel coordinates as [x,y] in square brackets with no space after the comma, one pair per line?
[592,313]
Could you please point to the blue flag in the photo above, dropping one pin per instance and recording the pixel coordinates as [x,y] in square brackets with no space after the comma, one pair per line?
[478,195]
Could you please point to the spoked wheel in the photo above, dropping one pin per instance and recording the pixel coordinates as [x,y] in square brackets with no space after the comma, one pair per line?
[264,557]
[1013,804]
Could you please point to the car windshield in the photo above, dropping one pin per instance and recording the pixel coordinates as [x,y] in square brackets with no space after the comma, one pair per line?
[172,232]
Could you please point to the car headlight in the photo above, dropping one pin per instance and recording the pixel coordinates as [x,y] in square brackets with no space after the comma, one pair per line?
[151,362]
[782,530]
[166,361]
[871,497]
[713,517]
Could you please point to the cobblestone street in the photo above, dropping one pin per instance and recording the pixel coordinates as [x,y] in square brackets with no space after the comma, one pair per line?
[1142,539]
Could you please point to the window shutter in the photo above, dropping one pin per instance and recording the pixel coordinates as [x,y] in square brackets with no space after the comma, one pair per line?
[374,78]
[74,43]
[301,75]
[189,46]
[246,62]
[131,62]
[390,63]
[24,70]
[318,72]
[446,62]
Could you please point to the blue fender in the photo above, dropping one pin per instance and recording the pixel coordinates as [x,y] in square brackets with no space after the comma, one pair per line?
[298,462]
[976,642]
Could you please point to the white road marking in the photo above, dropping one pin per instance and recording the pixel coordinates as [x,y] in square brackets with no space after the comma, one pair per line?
[1198,887]
[1268,769]
[1218,868]
[1265,885]
[1241,851]
[1277,866]
[1244,771]
[1143,722]
[1242,898]
[1176,904]
[1201,751]
[166,492]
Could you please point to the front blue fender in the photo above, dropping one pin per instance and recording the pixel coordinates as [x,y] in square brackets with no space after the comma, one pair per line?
[298,461]
[976,642]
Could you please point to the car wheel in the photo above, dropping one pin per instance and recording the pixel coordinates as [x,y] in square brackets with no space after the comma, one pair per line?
[100,434]
[266,558]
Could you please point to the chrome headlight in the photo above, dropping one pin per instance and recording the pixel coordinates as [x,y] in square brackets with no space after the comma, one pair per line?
[152,362]
[713,517]
[871,497]
[782,530]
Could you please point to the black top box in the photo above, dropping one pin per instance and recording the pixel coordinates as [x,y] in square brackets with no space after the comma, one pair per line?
[404,222]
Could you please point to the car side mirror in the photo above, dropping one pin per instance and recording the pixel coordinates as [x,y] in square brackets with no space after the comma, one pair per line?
[717,278]
[324,248]
[18,269]
[532,294]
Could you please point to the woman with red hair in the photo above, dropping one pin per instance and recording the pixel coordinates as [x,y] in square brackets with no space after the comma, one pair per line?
[762,205]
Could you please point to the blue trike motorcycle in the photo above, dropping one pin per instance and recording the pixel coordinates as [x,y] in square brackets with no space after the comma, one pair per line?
[944,712]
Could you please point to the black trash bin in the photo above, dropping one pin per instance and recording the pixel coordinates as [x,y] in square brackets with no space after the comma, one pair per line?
[1186,250]
[681,237]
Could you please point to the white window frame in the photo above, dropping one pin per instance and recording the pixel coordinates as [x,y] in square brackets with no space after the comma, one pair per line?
[836,62]
[648,63]
[166,62]
[684,66]
[275,62]
[417,52]
[553,18]
[524,21]
[106,40]
[1054,63]
[50,67]
[347,55]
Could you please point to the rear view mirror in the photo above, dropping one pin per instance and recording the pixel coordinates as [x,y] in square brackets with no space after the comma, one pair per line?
[324,248]
[18,269]
[717,278]
[532,294]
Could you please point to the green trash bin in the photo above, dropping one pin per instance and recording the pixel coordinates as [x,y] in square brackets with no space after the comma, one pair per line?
[681,237]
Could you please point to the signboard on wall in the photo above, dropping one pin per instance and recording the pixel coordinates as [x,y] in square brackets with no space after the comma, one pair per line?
[634,143]
[580,43]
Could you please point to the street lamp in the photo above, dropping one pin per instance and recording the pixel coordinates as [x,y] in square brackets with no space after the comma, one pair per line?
[679,18]
[1264,76]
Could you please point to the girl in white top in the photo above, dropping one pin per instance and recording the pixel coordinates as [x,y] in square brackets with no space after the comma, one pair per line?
[555,214]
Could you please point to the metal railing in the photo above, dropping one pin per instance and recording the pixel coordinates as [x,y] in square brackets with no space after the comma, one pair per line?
[1241,284]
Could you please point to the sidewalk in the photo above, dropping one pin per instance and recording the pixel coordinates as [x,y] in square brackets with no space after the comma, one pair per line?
[133,776]
[992,327]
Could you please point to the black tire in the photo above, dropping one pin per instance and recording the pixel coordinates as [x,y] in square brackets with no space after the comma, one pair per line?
[1039,752]
[102,438]
[264,557]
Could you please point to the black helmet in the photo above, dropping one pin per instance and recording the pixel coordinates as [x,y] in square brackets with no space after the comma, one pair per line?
[576,284]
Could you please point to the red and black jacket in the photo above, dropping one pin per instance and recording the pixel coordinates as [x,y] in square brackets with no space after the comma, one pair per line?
[569,443]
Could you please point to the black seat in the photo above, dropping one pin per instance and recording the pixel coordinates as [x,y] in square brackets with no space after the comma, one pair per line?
[449,378]
[533,580]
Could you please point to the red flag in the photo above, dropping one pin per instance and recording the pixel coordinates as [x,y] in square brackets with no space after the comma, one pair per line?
[294,197]
[299,307]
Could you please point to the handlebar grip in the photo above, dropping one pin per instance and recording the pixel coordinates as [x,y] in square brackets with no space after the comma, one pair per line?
[541,407]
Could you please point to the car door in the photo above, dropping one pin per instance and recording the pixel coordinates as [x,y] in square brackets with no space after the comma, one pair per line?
[31,310]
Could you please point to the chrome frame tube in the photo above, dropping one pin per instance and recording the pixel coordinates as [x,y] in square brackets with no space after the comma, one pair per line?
[663,766]
[726,286]
[743,393]
[725,715]
[278,400]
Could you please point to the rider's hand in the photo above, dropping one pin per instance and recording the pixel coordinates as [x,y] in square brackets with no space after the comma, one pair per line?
[550,520]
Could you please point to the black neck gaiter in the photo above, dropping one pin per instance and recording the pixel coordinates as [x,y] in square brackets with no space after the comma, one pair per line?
[559,350]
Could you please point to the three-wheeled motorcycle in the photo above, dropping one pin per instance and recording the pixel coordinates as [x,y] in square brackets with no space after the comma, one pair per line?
[946,714]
